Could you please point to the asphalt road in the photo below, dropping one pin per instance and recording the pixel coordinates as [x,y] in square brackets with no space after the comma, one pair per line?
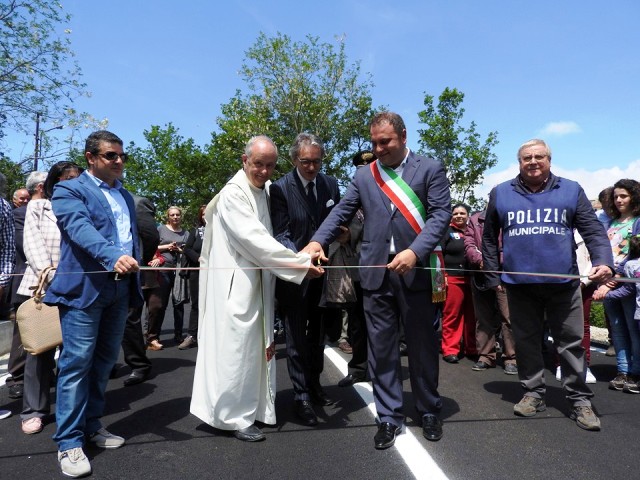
[483,439]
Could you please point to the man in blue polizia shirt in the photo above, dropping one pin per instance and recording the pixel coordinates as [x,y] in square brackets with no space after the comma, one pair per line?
[537,213]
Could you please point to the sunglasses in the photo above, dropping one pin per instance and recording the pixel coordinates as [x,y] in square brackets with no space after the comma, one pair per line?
[113,156]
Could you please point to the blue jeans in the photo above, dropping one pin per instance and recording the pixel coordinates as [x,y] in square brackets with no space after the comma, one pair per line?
[624,333]
[91,339]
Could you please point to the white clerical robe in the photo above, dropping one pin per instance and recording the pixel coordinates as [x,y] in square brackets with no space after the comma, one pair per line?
[234,383]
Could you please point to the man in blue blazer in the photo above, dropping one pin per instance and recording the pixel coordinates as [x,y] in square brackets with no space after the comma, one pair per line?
[394,248]
[95,283]
[300,201]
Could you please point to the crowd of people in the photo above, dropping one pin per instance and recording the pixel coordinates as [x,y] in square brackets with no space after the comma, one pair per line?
[440,279]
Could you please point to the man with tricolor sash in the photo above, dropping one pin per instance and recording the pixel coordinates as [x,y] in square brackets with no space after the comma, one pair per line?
[407,207]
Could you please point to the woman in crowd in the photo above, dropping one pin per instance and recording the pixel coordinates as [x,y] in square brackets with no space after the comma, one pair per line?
[42,249]
[192,251]
[458,319]
[619,298]
[172,240]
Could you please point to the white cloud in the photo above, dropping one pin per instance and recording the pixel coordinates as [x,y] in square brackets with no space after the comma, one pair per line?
[591,181]
[560,129]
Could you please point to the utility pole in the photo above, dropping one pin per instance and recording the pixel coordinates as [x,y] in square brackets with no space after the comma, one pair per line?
[37,153]
[37,150]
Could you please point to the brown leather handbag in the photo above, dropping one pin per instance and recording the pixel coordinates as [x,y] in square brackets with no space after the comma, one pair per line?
[39,324]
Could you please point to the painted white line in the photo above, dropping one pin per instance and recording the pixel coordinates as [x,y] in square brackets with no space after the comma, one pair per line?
[418,460]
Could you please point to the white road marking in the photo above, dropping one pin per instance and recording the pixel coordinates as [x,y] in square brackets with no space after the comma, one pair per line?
[418,460]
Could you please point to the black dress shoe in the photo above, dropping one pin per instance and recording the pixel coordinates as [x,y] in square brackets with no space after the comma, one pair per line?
[431,427]
[16,390]
[136,377]
[305,412]
[386,435]
[351,379]
[318,397]
[403,349]
[451,358]
[249,434]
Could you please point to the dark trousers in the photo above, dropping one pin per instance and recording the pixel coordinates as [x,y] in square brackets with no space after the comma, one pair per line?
[561,305]
[157,306]
[304,335]
[17,357]
[194,287]
[133,342]
[358,335]
[39,375]
[492,313]
[384,308]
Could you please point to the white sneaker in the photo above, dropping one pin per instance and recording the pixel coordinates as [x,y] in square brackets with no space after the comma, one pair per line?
[103,439]
[558,374]
[74,463]
[590,377]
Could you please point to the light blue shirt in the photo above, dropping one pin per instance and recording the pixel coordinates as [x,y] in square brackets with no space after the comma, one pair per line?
[120,211]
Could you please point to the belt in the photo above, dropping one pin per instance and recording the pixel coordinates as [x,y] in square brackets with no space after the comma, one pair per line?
[116,276]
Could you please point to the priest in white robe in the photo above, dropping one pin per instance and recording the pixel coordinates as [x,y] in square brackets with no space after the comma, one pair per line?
[234,384]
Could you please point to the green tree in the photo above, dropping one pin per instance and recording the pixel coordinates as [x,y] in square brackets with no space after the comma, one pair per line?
[169,171]
[297,86]
[37,73]
[461,149]
[15,176]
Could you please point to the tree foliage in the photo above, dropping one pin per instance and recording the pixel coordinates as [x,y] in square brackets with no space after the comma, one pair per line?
[298,86]
[291,87]
[170,171]
[461,149]
[37,73]
[15,177]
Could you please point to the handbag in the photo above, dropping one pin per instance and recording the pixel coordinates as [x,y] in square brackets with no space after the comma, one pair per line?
[39,324]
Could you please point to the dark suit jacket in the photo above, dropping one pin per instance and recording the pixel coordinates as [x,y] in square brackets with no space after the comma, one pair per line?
[147,227]
[21,261]
[428,180]
[149,237]
[292,219]
[88,243]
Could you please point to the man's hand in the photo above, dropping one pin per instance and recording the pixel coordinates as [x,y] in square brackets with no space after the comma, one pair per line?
[126,264]
[600,292]
[317,254]
[345,236]
[403,262]
[314,271]
[600,273]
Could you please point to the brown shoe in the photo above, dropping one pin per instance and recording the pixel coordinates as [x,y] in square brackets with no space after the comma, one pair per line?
[154,345]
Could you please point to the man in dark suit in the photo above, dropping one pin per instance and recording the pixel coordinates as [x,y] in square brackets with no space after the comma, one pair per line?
[96,216]
[401,230]
[300,201]
[134,345]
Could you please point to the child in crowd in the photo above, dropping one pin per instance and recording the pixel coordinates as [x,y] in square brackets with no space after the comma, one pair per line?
[631,270]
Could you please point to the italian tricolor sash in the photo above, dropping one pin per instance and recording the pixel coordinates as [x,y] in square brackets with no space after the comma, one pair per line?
[412,209]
